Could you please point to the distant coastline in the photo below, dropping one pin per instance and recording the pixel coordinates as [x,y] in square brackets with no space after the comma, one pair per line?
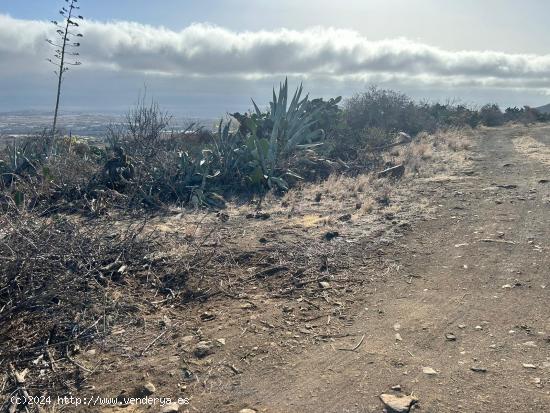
[28,122]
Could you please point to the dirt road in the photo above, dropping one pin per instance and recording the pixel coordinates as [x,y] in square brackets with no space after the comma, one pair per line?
[470,291]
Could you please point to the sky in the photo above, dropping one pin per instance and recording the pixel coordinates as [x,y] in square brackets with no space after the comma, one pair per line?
[209,57]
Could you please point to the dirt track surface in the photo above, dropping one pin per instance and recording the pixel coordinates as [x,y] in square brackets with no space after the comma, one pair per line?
[453,276]
[480,270]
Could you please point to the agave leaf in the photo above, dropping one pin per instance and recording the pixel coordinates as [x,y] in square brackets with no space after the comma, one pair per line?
[257,176]
[309,145]
[256,108]
[293,174]
[19,198]
[263,148]
[215,174]
[302,135]
[279,182]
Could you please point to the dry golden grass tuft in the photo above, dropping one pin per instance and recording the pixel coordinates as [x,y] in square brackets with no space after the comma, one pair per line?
[532,148]
[422,150]
[456,140]
[431,155]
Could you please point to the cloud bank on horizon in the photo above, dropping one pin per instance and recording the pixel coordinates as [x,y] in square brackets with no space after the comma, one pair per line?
[202,53]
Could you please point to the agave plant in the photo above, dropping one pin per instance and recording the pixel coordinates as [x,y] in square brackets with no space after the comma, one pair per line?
[293,124]
[228,153]
[274,136]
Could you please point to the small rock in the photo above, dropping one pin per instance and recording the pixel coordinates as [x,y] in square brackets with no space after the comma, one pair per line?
[450,337]
[429,371]
[405,225]
[396,388]
[207,316]
[462,326]
[397,326]
[323,284]
[397,404]
[221,341]
[171,408]
[506,286]
[149,388]
[507,186]
[478,328]
[187,374]
[145,390]
[330,235]
[345,218]
[203,349]
[530,344]
[223,217]
[166,322]
[478,369]
[247,411]
[247,306]
[398,337]
[529,366]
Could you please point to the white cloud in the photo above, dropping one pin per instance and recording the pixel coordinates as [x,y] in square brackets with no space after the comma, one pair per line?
[220,68]
[205,50]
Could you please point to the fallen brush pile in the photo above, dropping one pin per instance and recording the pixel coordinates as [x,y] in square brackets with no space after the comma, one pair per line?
[65,282]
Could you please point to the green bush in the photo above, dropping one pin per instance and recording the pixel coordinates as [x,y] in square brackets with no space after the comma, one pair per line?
[491,115]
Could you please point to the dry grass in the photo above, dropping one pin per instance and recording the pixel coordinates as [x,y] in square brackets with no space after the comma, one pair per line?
[533,149]
[428,156]
[438,154]
[423,151]
[456,140]
[416,154]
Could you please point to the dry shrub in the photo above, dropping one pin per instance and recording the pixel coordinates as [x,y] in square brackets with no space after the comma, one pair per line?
[395,152]
[66,282]
[362,183]
[383,191]
[422,136]
[54,272]
[414,155]
[71,170]
[367,206]
[422,150]
[338,192]
[412,162]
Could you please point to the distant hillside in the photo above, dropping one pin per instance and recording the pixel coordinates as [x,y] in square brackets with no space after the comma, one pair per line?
[544,109]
